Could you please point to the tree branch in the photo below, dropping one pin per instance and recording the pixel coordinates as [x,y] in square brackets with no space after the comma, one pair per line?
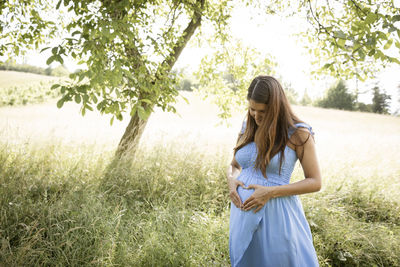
[358,7]
[195,22]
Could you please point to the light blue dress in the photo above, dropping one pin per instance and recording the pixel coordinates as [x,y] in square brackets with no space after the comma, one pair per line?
[278,234]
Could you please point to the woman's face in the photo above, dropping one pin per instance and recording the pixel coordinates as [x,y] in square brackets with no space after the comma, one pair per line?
[257,111]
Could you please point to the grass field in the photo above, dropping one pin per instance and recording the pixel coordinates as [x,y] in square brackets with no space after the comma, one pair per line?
[16,78]
[63,204]
[21,88]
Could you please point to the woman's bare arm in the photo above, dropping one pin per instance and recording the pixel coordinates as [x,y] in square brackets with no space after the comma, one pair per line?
[310,165]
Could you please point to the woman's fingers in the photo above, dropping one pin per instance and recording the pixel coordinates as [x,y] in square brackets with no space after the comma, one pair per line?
[234,194]
[240,183]
[252,186]
[247,201]
[249,204]
[258,208]
[236,199]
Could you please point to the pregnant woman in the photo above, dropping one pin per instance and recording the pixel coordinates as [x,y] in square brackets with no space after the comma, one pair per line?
[267,222]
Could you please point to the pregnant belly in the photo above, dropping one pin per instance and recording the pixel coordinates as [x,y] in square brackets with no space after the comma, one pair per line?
[244,193]
[248,179]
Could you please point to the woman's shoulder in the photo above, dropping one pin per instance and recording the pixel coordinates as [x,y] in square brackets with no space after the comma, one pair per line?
[300,134]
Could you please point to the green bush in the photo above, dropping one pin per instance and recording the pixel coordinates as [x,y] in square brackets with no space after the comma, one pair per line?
[338,97]
[360,106]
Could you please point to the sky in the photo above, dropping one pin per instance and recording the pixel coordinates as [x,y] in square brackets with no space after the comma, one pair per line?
[274,35]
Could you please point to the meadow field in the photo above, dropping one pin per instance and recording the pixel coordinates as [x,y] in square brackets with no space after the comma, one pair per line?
[62,202]
[21,88]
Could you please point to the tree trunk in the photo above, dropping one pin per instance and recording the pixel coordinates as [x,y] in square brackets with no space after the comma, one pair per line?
[130,140]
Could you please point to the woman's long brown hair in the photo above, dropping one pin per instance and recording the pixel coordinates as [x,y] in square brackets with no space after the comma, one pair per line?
[272,137]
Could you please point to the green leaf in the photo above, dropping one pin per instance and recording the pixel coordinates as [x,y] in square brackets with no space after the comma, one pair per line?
[340,34]
[44,49]
[382,35]
[81,76]
[388,44]
[371,17]
[379,54]
[112,120]
[133,111]
[361,54]
[60,59]
[60,103]
[396,18]
[371,53]
[141,112]
[146,101]
[78,99]
[58,4]
[54,86]
[85,98]
[50,60]
[341,42]
[54,50]
[395,60]
[100,106]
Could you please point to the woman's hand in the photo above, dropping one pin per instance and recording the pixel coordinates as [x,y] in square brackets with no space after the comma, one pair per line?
[261,195]
[233,194]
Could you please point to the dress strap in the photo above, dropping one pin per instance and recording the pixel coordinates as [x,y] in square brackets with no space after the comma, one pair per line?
[301,125]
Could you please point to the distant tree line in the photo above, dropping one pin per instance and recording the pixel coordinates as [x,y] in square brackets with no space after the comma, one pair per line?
[12,66]
[339,97]
[336,97]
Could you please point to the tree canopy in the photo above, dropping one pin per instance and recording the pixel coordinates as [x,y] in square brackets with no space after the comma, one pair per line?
[354,38]
[128,47]
[345,39]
